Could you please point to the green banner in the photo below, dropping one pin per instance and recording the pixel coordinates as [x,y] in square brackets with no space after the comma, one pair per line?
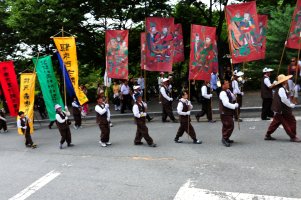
[48,83]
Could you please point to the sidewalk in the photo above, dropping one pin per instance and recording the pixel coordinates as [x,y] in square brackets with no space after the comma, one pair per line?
[251,103]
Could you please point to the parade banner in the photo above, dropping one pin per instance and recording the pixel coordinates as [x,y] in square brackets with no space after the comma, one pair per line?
[203,52]
[243,32]
[293,40]
[263,26]
[27,89]
[48,84]
[117,53]
[143,50]
[159,44]
[67,49]
[10,87]
[178,44]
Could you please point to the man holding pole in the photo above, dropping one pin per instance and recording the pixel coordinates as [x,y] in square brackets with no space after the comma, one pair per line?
[166,101]
[237,92]
[266,94]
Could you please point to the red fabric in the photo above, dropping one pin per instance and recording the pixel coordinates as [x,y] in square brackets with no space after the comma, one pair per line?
[142,50]
[243,32]
[178,44]
[117,53]
[294,35]
[203,52]
[159,46]
[263,26]
[8,81]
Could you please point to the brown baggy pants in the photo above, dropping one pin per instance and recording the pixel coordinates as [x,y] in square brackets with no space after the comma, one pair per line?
[184,128]
[228,126]
[142,132]
[65,135]
[105,132]
[288,122]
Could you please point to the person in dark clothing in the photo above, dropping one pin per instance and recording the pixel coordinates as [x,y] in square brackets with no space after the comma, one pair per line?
[184,108]
[139,111]
[3,124]
[126,99]
[266,95]
[40,105]
[166,102]
[103,120]
[76,109]
[23,124]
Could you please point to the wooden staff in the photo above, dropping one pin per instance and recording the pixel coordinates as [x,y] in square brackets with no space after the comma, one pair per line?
[64,74]
[145,85]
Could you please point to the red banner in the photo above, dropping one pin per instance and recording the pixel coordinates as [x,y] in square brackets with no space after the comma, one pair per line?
[178,44]
[263,26]
[9,83]
[117,53]
[203,52]
[142,50]
[294,35]
[243,32]
[159,46]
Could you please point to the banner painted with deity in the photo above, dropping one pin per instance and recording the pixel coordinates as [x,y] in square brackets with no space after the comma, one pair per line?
[159,44]
[10,87]
[27,89]
[67,49]
[263,26]
[178,44]
[143,50]
[48,84]
[117,53]
[293,40]
[243,32]
[203,52]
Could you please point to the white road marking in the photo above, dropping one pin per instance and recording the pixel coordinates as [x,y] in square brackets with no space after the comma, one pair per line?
[188,192]
[38,184]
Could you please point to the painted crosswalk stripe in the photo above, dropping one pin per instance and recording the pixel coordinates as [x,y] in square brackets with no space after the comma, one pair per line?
[188,192]
[38,184]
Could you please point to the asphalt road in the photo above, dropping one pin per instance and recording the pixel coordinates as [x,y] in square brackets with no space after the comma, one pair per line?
[124,171]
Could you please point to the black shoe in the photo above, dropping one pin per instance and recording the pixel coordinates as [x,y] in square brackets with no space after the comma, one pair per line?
[138,143]
[165,121]
[197,142]
[70,145]
[197,118]
[150,119]
[269,137]
[225,143]
[49,126]
[152,145]
[266,118]
[61,146]
[178,141]
[230,141]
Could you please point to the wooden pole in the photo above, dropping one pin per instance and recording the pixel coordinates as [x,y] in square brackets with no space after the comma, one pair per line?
[144,85]
[64,74]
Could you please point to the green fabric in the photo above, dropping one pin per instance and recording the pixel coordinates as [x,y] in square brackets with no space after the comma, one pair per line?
[48,83]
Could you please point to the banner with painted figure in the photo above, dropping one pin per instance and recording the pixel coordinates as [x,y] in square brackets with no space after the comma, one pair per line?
[178,44]
[117,53]
[243,32]
[203,52]
[143,50]
[67,49]
[263,26]
[27,89]
[10,87]
[294,39]
[48,84]
[159,44]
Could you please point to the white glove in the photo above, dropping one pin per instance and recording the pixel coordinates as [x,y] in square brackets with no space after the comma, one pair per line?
[236,105]
[171,99]
[188,113]
[242,94]
[210,95]
[189,103]
[25,127]
[107,105]
[66,108]
[292,105]
[142,114]
[66,118]
[108,119]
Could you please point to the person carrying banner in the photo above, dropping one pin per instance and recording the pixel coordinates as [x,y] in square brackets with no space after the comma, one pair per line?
[116,95]
[266,94]
[184,107]
[206,103]
[282,108]
[102,119]
[23,124]
[63,123]
[236,86]
[226,109]
[76,109]
[214,83]
[139,111]
[3,124]
[166,101]
[137,90]
[125,97]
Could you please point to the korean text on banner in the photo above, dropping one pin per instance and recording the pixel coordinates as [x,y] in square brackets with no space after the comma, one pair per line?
[48,83]
[9,83]
[203,52]
[27,89]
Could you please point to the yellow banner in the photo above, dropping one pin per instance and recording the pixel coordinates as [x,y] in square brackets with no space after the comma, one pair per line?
[27,88]
[67,49]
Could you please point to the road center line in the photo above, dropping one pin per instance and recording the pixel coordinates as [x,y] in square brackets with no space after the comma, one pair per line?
[188,192]
[35,186]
